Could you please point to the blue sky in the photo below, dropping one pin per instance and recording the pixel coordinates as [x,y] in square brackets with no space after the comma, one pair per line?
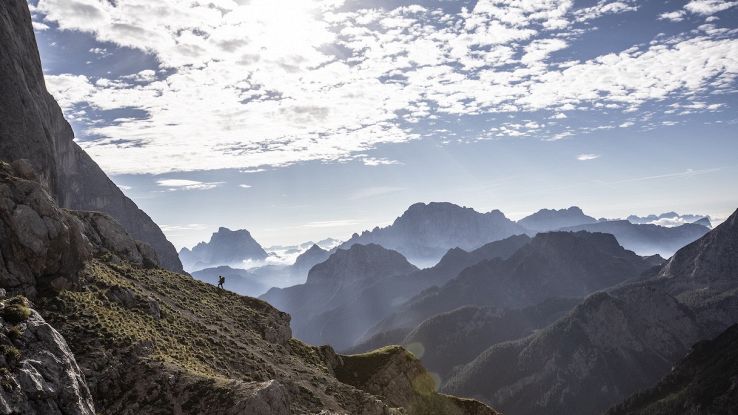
[303,119]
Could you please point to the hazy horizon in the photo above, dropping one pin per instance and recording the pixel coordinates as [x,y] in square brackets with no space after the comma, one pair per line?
[301,120]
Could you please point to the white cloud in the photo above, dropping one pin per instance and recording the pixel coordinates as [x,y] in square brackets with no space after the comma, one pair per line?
[538,50]
[40,27]
[371,161]
[266,83]
[146,75]
[181,184]
[675,16]
[604,8]
[69,89]
[708,7]
[587,157]
[245,186]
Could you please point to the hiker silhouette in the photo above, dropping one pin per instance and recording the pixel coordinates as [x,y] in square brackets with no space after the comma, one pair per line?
[221,281]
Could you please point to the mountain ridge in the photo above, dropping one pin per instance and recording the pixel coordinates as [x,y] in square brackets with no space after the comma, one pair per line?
[425,232]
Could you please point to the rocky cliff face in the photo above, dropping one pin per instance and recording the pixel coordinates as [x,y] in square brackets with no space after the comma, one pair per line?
[42,247]
[32,127]
[38,373]
[226,247]
[426,231]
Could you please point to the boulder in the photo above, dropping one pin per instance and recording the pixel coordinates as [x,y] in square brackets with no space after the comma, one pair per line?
[43,377]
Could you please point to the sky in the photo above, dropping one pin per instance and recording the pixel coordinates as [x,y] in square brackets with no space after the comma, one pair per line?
[305,119]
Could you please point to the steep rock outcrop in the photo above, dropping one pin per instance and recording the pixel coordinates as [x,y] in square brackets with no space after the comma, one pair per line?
[398,378]
[38,373]
[33,127]
[42,247]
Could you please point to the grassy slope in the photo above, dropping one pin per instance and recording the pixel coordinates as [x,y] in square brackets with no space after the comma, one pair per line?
[206,339]
[178,345]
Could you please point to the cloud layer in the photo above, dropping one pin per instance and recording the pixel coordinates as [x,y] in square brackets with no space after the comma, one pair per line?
[264,83]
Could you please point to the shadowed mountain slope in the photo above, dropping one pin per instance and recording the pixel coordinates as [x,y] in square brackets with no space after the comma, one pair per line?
[555,264]
[332,283]
[615,343]
[358,310]
[704,382]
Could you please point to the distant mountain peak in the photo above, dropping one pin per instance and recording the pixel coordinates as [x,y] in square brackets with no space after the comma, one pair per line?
[425,231]
[553,219]
[225,247]
[369,261]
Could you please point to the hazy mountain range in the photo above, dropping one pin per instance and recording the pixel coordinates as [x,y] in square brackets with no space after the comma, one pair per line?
[630,336]
[670,219]
[360,306]
[424,232]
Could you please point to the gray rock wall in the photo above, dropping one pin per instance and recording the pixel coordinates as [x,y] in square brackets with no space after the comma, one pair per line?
[38,374]
[33,127]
